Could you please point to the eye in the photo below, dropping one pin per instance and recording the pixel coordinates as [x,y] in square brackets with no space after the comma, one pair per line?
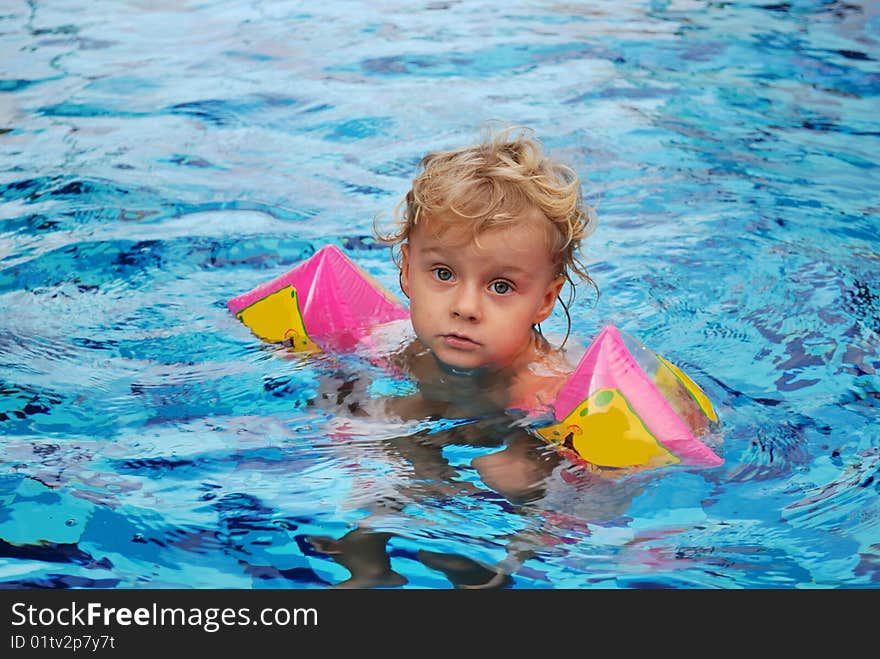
[501,287]
[443,274]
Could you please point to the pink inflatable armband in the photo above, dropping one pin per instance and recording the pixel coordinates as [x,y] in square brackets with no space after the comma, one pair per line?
[625,406]
[326,302]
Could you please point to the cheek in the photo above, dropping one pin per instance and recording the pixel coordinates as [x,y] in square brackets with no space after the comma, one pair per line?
[423,293]
[522,315]
[406,280]
[420,307]
[513,328]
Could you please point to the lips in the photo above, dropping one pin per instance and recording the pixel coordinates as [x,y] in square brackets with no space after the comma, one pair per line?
[459,341]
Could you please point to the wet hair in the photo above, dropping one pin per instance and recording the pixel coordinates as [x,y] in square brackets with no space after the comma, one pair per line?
[502,181]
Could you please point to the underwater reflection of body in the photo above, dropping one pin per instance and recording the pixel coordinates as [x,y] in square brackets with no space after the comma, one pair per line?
[524,475]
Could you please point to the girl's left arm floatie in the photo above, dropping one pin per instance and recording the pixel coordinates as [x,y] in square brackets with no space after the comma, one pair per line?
[325,302]
[624,406]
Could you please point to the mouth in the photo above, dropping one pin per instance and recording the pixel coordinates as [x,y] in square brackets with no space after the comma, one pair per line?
[459,341]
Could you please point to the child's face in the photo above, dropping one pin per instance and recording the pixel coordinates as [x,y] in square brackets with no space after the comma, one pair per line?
[472,304]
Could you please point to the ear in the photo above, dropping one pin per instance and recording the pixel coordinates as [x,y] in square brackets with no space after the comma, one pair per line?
[549,299]
[404,269]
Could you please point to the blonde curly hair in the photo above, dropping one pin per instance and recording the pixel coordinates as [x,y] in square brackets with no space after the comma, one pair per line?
[499,182]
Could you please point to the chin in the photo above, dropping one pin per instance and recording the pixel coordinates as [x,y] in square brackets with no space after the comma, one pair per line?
[459,363]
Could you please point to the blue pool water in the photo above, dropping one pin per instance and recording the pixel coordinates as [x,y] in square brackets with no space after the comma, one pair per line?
[157,159]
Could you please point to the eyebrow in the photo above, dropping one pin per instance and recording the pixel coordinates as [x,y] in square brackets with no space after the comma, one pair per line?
[506,269]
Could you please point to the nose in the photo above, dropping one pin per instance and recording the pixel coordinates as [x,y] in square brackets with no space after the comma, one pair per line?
[466,303]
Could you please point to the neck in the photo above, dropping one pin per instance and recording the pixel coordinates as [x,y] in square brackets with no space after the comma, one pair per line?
[536,347]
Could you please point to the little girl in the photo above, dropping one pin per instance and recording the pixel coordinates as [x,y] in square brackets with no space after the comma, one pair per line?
[487,237]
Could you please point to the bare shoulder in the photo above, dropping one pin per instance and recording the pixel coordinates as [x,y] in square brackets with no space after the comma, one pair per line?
[537,384]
